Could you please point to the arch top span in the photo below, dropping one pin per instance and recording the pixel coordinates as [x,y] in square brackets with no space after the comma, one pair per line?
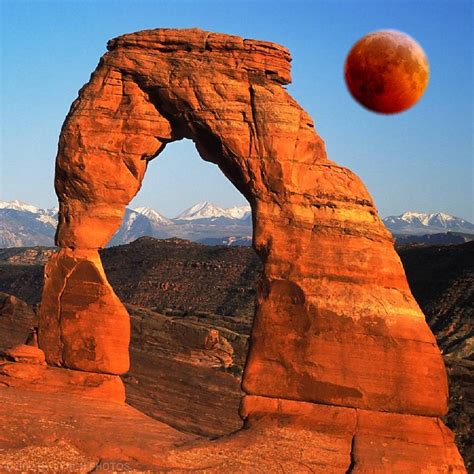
[253,55]
[154,87]
[335,320]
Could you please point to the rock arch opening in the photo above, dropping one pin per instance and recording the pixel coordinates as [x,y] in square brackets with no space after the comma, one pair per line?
[185,197]
[335,324]
[191,302]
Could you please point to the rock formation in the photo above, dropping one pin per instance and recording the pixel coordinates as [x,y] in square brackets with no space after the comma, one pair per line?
[335,322]
[17,320]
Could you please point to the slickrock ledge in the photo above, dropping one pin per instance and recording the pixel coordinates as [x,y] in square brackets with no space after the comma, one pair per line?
[75,434]
[61,432]
[336,324]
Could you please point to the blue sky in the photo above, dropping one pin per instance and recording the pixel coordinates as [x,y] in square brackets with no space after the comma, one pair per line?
[418,160]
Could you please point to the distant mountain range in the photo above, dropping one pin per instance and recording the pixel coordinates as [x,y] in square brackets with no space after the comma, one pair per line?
[24,225]
[416,223]
[208,211]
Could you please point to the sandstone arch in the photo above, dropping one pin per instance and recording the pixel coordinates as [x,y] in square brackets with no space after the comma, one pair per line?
[336,323]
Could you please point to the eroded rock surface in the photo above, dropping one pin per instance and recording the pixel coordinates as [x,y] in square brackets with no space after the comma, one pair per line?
[83,325]
[186,372]
[61,433]
[17,320]
[72,434]
[166,383]
[34,377]
[335,323]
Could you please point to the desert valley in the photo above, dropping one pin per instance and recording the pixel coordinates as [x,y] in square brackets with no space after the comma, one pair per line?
[192,307]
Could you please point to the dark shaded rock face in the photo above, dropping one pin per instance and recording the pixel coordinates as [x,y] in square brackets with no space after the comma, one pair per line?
[23,281]
[186,371]
[184,276]
[442,281]
[17,320]
[460,417]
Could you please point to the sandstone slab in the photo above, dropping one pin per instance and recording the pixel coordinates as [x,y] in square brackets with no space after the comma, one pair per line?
[61,432]
[24,353]
[76,433]
[380,442]
[39,378]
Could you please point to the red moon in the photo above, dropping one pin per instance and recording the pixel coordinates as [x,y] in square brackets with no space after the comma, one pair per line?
[387,71]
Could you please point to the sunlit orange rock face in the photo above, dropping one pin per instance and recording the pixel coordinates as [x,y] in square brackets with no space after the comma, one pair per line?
[387,71]
[335,325]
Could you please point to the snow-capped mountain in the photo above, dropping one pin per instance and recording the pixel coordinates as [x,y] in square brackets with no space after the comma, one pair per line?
[416,223]
[200,222]
[25,207]
[22,224]
[208,210]
[18,206]
[201,210]
[134,225]
[153,215]
[238,212]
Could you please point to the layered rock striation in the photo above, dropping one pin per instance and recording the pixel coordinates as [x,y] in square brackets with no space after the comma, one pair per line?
[335,324]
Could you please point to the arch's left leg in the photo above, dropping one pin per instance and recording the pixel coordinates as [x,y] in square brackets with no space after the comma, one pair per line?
[109,135]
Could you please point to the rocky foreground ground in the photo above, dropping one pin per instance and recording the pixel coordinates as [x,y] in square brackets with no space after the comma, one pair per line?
[192,306]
